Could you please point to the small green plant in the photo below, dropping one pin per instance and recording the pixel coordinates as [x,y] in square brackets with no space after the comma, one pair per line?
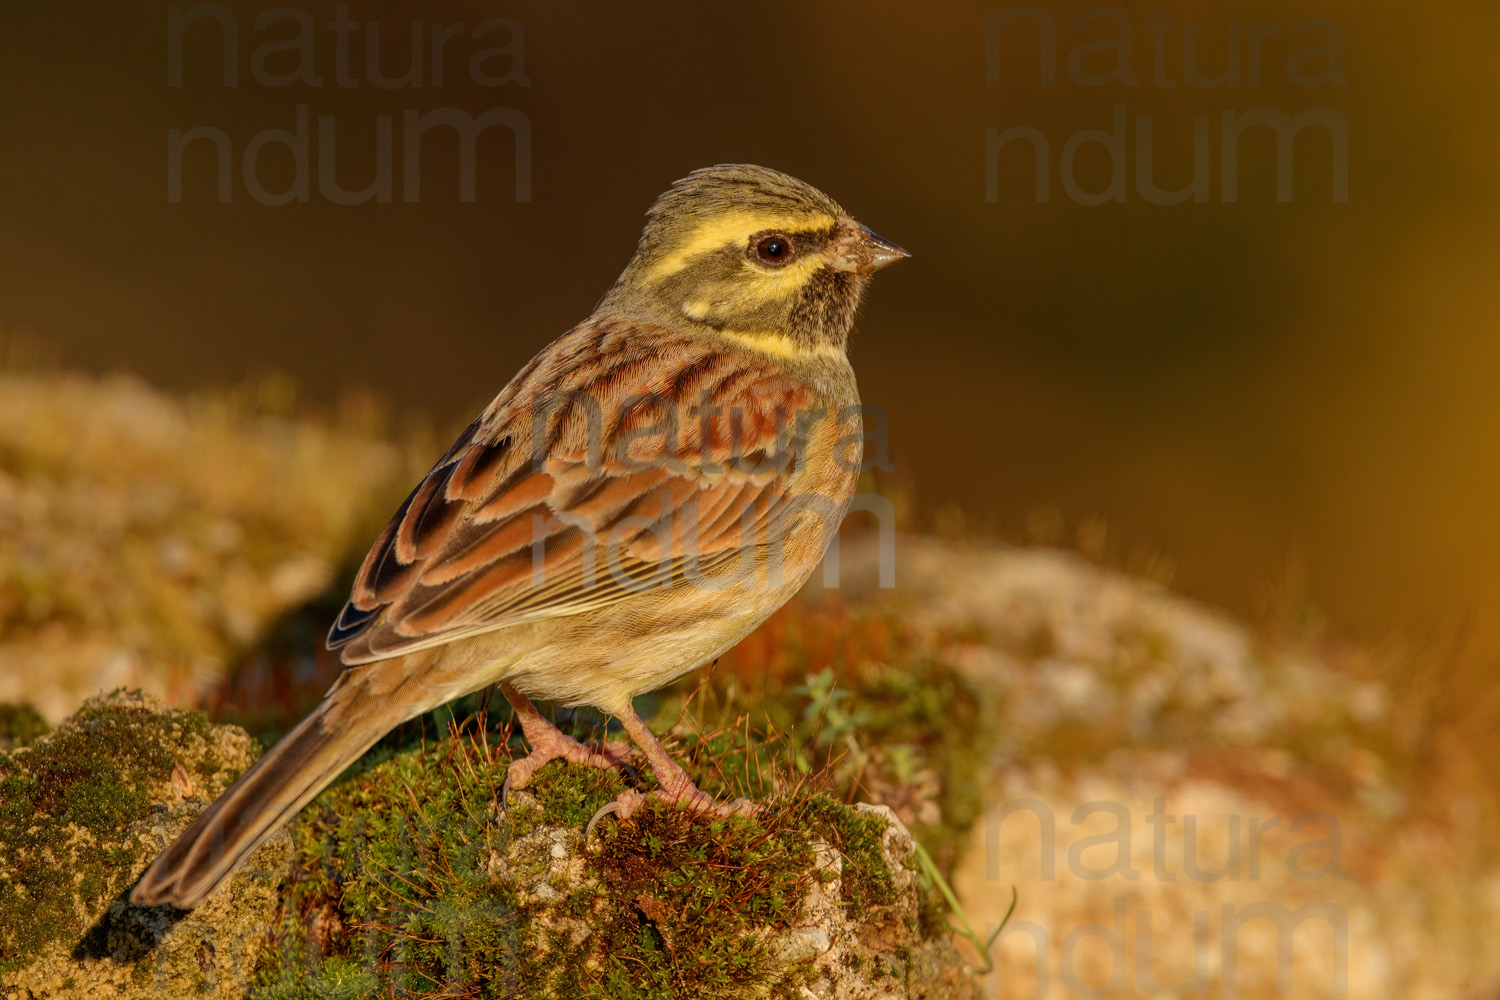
[830,716]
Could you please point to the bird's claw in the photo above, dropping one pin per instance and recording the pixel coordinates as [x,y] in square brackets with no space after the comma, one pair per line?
[623,807]
[505,793]
[694,800]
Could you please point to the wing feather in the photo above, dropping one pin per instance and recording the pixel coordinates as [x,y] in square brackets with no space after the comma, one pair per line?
[495,535]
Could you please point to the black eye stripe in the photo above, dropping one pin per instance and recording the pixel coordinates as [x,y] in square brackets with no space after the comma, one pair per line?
[801,242]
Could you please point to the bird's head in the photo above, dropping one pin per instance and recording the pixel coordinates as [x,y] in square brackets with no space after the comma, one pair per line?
[755,254]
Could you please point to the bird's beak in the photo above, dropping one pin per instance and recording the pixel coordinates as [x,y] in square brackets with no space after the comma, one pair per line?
[862,252]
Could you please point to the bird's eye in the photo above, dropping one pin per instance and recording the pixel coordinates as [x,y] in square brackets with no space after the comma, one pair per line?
[774,248]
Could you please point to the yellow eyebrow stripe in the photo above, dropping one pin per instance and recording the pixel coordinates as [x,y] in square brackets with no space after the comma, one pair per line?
[735,226]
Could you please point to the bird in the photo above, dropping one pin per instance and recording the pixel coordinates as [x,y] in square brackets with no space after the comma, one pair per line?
[648,489]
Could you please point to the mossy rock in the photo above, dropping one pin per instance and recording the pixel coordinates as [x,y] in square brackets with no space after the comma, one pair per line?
[410,877]
[83,810]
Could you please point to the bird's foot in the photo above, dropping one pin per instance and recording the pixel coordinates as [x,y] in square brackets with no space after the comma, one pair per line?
[550,744]
[685,794]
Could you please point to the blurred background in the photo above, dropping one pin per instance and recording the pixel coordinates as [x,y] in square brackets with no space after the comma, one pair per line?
[1277,397]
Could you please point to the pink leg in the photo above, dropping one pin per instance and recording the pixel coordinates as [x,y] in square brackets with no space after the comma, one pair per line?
[676,786]
[548,743]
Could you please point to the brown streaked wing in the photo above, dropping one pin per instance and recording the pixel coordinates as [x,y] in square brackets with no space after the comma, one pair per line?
[460,555]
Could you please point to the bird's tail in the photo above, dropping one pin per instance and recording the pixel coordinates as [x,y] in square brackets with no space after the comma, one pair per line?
[347,723]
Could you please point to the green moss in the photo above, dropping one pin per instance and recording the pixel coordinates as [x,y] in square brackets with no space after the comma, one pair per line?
[64,803]
[856,835]
[569,796]
[20,725]
[391,879]
[680,898]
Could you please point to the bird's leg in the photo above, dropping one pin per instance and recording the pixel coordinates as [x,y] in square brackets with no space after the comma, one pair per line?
[676,786]
[548,743]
